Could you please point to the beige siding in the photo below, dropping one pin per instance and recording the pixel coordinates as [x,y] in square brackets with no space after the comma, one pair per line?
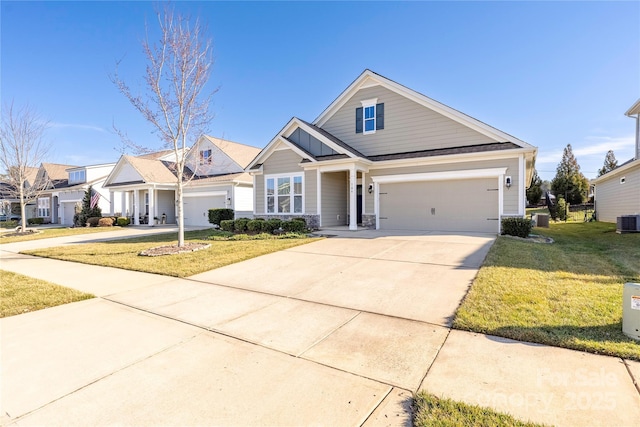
[334,199]
[614,199]
[258,193]
[510,196]
[408,126]
[282,161]
[310,192]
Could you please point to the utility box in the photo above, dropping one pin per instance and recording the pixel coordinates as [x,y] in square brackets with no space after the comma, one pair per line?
[542,220]
[631,310]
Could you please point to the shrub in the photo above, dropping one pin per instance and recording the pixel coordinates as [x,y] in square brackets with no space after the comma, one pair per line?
[93,221]
[300,219]
[254,225]
[241,225]
[218,215]
[122,221]
[105,222]
[294,226]
[227,225]
[270,225]
[35,221]
[563,208]
[520,227]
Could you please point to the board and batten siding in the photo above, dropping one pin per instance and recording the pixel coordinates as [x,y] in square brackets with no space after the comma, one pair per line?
[334,198]
[408,126]
[510,195]
[614,199]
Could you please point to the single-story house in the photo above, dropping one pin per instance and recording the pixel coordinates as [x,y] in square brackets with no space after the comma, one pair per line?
[145,186]
[9,199]
[617,192]
[387,157]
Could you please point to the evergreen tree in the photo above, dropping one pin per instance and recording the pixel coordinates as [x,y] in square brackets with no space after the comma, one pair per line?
[610,163]
[569,180]
[87,211]
[534,192]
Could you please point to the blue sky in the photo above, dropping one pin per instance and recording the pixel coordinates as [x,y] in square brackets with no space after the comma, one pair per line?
[549,73]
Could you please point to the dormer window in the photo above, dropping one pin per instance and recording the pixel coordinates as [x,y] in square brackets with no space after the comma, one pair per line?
[205,157]
[77,176]
[370,117]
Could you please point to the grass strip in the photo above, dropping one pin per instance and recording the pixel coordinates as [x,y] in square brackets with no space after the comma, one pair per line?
[430,411]
[566,294]
[125,253]
[21,294]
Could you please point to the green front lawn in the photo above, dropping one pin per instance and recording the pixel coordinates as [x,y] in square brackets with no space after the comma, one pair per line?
[430,410]
[566,294]
[47,233]
[124,253]
[21,294]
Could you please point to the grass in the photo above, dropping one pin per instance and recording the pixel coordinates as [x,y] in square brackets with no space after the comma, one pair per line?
[124,253]
[47,233]
[430,410]
[21,294]
[566,294]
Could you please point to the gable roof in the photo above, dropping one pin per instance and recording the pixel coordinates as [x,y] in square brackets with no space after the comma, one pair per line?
[56,171]
[626,167]
[240,153]
[635,109]
[368,79]
[151,170]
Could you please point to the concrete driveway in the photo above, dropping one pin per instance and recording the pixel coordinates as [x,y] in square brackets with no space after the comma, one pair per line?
[336,332]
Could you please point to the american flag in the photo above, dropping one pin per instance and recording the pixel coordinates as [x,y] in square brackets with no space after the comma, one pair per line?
[95,199]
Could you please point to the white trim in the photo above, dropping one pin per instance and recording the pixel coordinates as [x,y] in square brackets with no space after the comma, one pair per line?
[441,176]
[617,171]
[204,193]
[319,196]
[500,200]
[376,202]
[369,103]
[290,175]
[522,199]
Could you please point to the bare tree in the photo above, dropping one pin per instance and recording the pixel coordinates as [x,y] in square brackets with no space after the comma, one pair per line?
[23,147]
[176,100]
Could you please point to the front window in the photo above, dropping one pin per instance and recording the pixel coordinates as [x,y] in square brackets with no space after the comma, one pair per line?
[43,207]
[205,157]
[370,119]
[284,194]
[77,176]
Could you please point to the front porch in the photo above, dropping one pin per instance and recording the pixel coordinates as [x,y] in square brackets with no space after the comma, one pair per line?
[146,205]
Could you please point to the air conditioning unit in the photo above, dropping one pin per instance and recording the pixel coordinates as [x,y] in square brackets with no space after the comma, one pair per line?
[628,224]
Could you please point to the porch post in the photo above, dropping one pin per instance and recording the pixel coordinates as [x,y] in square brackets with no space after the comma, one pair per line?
[112,203]
[136,207]
[152,208]
[353,203]
[318,196]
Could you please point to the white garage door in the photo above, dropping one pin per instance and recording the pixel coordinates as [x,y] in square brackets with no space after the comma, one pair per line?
[196,209]
[457,205]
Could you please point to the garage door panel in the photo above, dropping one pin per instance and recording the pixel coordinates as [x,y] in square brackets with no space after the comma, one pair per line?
[457,205]
[196,209]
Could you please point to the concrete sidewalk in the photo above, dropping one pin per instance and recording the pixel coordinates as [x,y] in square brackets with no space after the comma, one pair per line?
[217,349]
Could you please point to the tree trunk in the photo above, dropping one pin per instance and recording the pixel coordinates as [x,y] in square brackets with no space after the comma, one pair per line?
[180,201]
[23,211]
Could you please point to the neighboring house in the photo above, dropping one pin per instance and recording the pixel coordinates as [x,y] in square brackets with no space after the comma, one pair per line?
[10,201]
[146,185]
[617,192]
[79,180]
[385,156]
[47,203]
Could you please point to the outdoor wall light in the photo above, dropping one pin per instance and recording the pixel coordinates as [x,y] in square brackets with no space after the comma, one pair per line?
[370,188]
[507,181]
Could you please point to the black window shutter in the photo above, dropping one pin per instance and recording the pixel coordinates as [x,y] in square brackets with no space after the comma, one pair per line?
[379,116]
[359,120]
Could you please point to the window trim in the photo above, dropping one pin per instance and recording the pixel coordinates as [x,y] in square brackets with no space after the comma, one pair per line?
[368,103]
[44,211]
[208,159]
[291,194]
[78,176]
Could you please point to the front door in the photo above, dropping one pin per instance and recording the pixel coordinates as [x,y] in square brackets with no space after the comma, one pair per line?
[359,204]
